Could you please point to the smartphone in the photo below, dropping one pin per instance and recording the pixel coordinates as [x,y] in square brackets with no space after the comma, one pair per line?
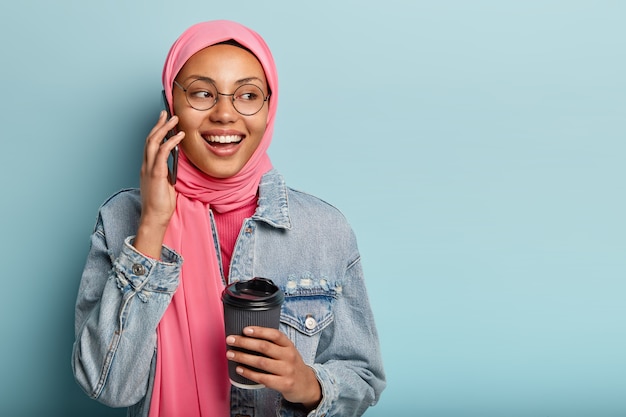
[172,159]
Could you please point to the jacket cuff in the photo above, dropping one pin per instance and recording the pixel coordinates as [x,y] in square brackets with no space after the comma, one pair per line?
[136,271]
[330,391]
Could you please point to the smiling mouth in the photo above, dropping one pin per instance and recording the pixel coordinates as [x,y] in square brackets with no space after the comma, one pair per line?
[227,139]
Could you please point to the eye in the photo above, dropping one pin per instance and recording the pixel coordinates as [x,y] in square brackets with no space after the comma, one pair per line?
[248,96]
[201,90]
[199,94]
[248,92]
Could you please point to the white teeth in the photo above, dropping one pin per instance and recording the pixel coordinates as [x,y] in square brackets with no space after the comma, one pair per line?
[224,139]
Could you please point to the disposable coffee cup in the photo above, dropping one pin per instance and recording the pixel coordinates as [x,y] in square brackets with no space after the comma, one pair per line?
[250,303]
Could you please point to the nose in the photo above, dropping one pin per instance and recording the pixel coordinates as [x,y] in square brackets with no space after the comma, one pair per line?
[223,111]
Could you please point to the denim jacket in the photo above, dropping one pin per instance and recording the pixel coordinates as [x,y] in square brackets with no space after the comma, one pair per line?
[298,241]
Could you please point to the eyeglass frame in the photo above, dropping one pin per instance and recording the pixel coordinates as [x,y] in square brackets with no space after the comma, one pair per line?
[232,95]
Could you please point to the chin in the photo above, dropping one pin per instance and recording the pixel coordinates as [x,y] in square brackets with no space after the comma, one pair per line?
[221,174]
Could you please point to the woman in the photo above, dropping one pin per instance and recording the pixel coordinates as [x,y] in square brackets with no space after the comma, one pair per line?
[149,327]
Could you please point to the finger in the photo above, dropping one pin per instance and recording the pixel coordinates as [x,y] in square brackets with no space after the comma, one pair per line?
[157,166]
[266,333]
[279,375]
[259,346]
[149,147]
[160,129]
[162,119]
[171,143]
[267,379]
[154,141]
[262,340]
[252,360]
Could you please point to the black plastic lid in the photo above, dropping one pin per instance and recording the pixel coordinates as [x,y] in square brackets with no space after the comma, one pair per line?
[257,293]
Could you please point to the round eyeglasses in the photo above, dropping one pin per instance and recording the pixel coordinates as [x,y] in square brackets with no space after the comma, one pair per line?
[201,94]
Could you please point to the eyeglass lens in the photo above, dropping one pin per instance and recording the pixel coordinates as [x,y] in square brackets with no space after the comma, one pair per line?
[247,98]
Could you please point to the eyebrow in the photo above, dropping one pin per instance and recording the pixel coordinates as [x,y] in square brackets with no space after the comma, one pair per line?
[239,82]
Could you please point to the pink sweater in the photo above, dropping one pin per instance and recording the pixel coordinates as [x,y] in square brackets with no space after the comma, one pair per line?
[228,227]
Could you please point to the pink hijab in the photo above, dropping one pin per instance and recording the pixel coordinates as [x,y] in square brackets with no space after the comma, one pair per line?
[191,371]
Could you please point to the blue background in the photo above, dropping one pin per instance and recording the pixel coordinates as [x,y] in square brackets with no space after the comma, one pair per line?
[476,147]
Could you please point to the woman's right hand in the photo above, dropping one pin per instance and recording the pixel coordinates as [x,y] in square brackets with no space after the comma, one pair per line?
[158,197]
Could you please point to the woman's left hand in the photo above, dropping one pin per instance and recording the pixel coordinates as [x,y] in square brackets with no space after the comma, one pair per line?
[287,372]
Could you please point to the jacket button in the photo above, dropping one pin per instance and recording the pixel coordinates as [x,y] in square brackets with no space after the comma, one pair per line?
[310,323]
[139,269]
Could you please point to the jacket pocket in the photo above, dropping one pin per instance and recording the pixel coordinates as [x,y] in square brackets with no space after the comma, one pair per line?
[308,314]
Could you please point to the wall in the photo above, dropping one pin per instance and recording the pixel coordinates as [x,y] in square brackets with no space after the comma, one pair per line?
[476,147]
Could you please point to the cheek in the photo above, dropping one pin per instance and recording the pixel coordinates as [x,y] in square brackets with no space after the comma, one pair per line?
[260,127]
[259,131]
[188,121]
[260,124]
[184,114]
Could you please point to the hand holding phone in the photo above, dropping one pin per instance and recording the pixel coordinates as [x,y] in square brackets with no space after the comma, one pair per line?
[172,160]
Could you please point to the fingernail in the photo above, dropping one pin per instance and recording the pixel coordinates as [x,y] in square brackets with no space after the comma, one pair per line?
[239,370]
[248,330]
[230,340]
[230,355]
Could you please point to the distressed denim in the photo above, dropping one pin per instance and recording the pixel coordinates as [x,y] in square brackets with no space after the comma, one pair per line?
[300,242]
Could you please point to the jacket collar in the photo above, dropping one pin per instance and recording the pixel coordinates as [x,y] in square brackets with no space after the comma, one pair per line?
[273,206]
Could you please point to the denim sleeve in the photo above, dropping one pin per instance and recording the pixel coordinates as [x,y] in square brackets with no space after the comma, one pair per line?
[349,364]
[120,302]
